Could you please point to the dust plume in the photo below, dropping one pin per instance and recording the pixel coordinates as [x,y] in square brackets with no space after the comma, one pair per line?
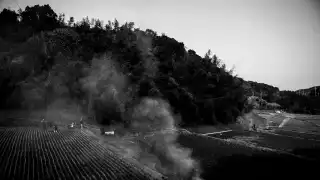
[150,64]
[51,94]
[104,82]
[63,111]
[148,117]
[151,117]
[250,117]
[103,76]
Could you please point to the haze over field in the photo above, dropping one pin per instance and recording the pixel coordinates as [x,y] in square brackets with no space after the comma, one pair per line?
[269,41]
[148,99]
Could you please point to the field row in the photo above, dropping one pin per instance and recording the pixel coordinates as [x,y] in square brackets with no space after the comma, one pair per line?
[297,134]
[228,159]
[283,140]
[31,153]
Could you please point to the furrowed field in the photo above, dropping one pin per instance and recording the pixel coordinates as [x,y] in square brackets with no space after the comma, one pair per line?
[56,71]
[32,153]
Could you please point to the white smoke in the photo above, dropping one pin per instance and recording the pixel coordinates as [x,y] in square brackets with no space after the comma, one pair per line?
[148,116]
[154,115]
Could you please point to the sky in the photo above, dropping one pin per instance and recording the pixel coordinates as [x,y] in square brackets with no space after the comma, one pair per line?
[276,42]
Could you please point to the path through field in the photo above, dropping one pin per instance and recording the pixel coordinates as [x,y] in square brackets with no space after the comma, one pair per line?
[291,133]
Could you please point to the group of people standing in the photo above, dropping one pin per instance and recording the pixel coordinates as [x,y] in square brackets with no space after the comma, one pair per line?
[45,124]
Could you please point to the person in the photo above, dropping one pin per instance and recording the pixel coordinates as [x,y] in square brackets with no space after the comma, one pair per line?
[254,127]
[55,128]
[81,123]
[102,131]
[44,126]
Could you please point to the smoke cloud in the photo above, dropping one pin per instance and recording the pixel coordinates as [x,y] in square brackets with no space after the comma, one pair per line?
[144,44]
[105,82]
[149,117]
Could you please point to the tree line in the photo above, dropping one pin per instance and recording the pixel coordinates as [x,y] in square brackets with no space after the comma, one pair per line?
[301,101]
[44,57]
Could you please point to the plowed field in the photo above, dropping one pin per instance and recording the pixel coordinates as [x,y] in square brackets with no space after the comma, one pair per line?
[32,153]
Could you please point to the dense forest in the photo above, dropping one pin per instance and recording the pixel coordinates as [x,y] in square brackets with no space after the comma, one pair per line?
[45,58]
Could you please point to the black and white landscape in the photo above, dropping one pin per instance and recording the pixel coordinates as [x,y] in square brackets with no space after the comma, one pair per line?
[140,97]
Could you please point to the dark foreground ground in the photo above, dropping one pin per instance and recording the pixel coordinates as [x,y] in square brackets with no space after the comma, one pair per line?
[306,145]
[29,152]
[230,159]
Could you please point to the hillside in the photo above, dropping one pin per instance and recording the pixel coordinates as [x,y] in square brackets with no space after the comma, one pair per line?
[51,63]
[300,101]
[265,91]
[311,92]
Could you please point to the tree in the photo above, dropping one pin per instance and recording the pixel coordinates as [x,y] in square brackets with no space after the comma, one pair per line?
[40,18]
[8,21]
[151,33]
[191,52]
[115,25]
[98,24]
[8,17]
[71,22]
[61,20]
[208,54]
[84,24]
[216,61]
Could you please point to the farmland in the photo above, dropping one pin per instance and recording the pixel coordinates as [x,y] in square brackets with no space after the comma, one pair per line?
[242,153]
[278,141]
[300,134]
[229,159]
[238,152]
[59,70]
[31,153]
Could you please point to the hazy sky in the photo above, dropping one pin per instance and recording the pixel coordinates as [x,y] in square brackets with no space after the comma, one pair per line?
[276,42]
